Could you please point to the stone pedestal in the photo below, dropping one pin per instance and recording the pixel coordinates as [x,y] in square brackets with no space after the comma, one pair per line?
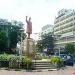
[29,47]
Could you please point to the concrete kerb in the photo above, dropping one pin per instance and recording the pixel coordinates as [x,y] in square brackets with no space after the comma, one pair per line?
[39,70]
[43,70]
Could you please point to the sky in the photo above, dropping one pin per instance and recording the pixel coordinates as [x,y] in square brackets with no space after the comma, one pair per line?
[42,12]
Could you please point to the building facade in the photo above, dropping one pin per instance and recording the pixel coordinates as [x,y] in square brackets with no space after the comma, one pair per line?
[47,28]
[64,28]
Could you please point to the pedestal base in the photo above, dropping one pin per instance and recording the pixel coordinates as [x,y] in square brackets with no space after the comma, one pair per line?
[29,48]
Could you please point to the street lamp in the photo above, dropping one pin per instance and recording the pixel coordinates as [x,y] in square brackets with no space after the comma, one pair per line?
[35,38]
[58,37]
[35,48]
[59,45]
[20,52]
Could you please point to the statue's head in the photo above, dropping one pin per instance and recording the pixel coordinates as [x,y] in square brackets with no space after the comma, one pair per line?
[29,18]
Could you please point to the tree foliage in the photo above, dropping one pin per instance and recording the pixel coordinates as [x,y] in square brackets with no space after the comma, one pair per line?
[46,42]
[39,46]
[10,34]
[15,35]
[3,40]
[69,48]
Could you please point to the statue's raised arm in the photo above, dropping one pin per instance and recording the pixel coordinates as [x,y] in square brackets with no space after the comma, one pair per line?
[26,18]
[29,26]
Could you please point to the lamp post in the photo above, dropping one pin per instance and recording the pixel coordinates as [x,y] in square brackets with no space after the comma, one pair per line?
[35,48]
[35,40]
[20,52]
[58,37]
[59,51]
[59,44]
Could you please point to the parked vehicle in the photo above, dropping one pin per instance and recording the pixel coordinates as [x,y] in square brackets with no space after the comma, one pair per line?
[63,56]
[68,60]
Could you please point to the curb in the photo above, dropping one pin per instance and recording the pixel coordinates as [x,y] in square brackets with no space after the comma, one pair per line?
[43,70]
[40,70]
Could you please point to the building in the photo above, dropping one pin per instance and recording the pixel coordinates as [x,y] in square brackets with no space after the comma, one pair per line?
[17,23]
[47,28]
[64,28]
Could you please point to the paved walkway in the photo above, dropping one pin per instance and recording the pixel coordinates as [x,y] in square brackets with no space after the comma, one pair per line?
[67,71]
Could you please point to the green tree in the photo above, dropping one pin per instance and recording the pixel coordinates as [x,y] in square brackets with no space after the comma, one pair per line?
[3,40]
[10,34]
[69,48]
[46,42]
[39,46]
[15,35]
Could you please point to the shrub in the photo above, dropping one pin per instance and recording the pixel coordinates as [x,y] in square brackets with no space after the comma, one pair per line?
[27,62]
[4,60]
[15,61]
[4,57]
[57,61]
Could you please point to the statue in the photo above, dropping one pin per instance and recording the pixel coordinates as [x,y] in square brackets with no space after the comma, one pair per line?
[29,26]
[29,43]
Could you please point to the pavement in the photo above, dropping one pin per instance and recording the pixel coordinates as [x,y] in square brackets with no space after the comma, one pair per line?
[65,71]
[60,72]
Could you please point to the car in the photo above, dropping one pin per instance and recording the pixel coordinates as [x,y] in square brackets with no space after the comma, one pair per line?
[68,60]
[63,56]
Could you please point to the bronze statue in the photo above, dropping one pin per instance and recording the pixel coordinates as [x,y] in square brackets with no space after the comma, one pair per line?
[29,26]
